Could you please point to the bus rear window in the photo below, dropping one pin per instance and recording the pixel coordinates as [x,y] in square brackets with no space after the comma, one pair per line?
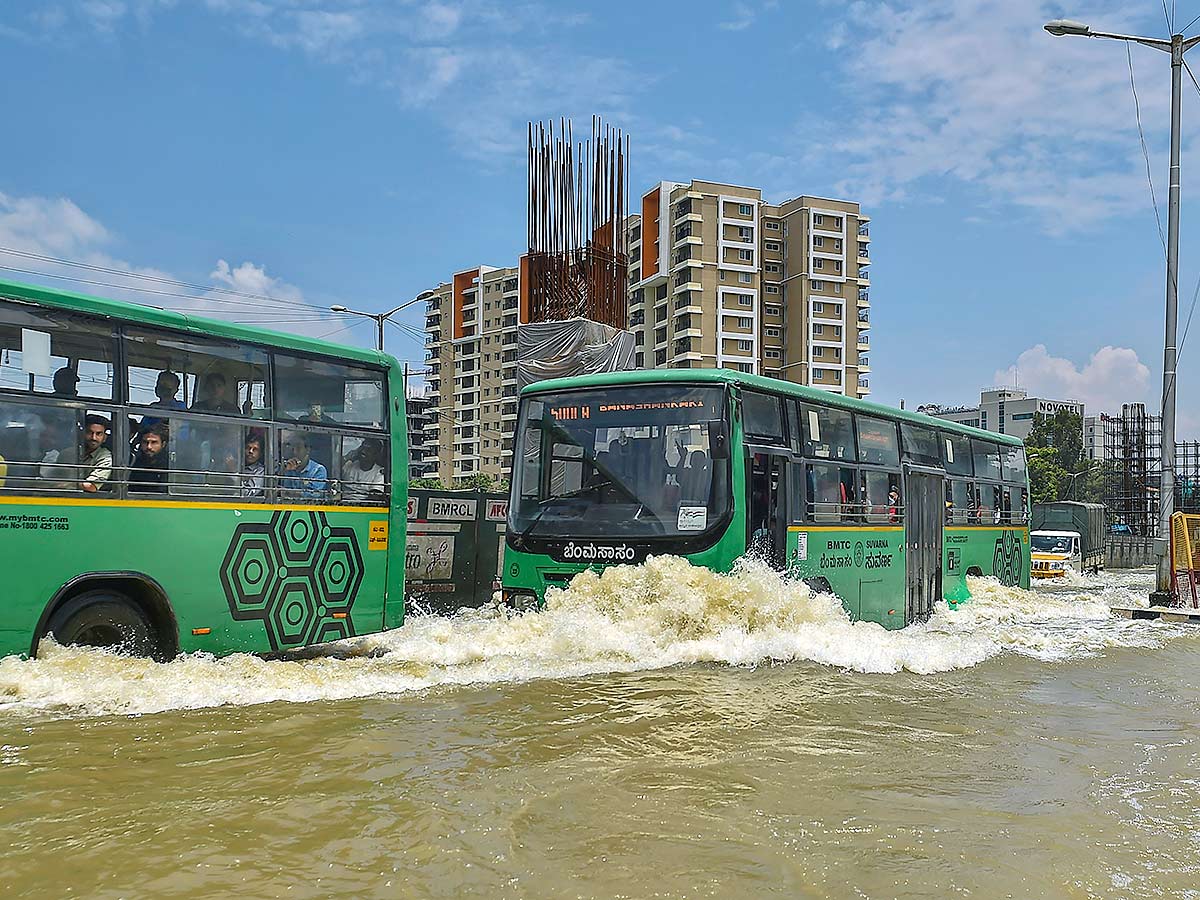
[877,441]
[55,353]
[828,433]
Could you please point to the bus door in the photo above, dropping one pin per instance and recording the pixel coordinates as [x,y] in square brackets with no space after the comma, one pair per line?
[923,512]
[767,514]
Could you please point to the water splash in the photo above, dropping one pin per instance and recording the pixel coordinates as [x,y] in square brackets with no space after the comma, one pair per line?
[663,613]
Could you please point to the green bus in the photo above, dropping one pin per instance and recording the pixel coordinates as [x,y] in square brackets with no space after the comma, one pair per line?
[890,510]
[171,484]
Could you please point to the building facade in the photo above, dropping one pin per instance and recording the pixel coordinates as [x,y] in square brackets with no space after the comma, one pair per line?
[721,278]
[1004,410]
[471,358]
[422,457]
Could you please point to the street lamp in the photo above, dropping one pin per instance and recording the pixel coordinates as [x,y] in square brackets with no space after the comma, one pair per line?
[380,318]
[1176,46]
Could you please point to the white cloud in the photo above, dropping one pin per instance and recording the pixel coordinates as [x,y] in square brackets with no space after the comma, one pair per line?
[57,228]
[976,91]
[1112,376]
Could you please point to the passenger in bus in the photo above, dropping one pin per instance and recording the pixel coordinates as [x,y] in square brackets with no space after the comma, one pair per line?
[304,477]
[57,455]
[150,466]
[66,382]
[316,413]
[213,396]
[362,473]
[893,504]
[254,474]
[97,459]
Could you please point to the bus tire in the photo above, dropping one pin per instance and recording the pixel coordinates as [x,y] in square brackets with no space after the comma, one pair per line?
[975,572]
[106,619]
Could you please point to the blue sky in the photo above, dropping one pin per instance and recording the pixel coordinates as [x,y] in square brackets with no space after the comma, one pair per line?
[359,151]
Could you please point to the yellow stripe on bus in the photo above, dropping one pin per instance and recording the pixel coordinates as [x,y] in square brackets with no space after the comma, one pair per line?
[183,504]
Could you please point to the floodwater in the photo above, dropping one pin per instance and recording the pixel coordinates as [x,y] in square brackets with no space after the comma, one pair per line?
[657,732]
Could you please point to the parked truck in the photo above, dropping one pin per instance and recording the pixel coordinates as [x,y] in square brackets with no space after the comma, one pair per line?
[1065,534]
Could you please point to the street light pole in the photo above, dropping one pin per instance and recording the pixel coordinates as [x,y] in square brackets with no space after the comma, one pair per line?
[1176,46]
[380,318]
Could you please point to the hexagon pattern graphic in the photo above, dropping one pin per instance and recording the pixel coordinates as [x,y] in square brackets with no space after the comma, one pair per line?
[294,574]
[1006,561]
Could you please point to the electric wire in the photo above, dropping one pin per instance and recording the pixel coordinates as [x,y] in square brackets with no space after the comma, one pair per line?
[1137,114]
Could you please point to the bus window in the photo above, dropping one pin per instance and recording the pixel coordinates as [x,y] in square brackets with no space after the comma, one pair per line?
[1014,464]
[920,444]
[762,416]
[39,446]
[830,493]
[828,432]
[1020,506]
[45,351]
[987,459]
[880,496]
[362,470]
[173,371]
[206,457]
[959,501]
[956,454]
[988,504]
[877,441]
[310,390]
[302,477]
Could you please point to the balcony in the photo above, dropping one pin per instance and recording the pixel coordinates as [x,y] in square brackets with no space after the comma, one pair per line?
[509,285]
[864,229]
[864,276]
[864,342]
[864,318]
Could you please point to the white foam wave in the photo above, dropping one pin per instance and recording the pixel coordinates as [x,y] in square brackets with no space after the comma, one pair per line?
[663,613]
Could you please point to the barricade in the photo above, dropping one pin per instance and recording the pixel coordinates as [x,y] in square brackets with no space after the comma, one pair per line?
[1185,558]
[455,549]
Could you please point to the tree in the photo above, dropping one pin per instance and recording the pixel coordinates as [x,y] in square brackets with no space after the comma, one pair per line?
[1047,479]
[429,484]
[1058,470]
[1063,432]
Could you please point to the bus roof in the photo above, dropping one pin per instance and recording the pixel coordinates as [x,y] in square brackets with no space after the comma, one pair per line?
[761,382]
[153,315]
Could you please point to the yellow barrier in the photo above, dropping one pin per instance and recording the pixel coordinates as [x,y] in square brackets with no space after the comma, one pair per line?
[1185,557]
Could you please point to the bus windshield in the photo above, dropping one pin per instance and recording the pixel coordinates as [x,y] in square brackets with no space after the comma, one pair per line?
[627,462]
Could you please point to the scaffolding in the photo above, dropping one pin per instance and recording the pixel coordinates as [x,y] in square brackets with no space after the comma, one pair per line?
[1133,451]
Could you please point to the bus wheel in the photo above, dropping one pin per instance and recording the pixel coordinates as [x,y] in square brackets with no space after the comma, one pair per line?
[103,619]
[975,572]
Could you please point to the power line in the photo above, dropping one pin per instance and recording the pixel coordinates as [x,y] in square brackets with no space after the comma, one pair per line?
[1137,113]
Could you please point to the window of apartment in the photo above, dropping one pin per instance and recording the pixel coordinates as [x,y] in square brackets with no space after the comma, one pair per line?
[745,209]
[818,351]
[818,373]
[745,255]
[745,322]
[818,307]
[818,263]
[773,311]
[745,232]
[837,245]
[816,285]
[771,332]
[837,265]
[721,274]
[774,267]
[745,346]
[818,329]
[773,354]
[748,368]
[773,246]
[818,241]
[745,300]
[837,287]
[771,226]
[818,219]
[744,277]
[836,309]
[772,289]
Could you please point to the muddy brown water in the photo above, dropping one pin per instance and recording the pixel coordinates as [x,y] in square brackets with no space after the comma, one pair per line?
[665,734]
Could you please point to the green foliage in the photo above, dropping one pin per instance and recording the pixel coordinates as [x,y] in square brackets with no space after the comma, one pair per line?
[477,482]
[1058,470]
[429,484]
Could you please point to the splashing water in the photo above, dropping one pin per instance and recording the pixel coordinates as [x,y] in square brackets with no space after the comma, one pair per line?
[663,613]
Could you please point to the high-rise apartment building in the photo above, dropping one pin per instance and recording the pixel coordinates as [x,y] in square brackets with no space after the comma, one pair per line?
[721,278]
[422,457]
[471,354]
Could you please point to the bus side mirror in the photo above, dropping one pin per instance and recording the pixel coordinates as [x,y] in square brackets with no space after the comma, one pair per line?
[718,439]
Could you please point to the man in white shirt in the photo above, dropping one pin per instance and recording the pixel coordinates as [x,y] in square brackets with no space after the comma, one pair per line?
[362,473]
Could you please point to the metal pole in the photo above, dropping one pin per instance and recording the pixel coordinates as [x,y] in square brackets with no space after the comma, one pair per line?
[379,320]
[1166,490]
